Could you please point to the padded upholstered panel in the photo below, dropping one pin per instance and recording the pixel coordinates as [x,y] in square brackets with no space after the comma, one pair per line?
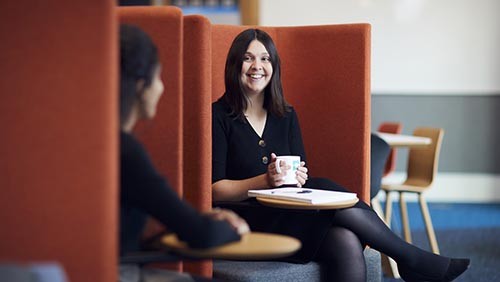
[59,144]
[197,112]
[197,120]
[201,57]
[162,136]
[326,77]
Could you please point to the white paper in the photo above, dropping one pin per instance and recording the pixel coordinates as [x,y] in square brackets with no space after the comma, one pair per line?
[306,195]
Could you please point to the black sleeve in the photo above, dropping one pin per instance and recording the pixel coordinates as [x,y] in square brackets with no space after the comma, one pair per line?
[219,144]
[295,138]
[143,188]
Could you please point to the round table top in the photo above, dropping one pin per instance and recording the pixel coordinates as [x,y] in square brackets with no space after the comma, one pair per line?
[278,203]
[252,246]
[401,140]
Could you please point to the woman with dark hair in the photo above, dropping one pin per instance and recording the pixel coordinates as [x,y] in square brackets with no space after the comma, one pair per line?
[143,190]
[252,123]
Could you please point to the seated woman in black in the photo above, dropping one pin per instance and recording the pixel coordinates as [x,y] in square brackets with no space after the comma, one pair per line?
[252,123]
[143,190]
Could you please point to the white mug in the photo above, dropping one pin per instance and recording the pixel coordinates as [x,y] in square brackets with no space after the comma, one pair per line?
[291,175]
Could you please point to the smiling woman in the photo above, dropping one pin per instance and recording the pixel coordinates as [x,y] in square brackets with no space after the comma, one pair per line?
[252,124]
[256,70]
[253,52]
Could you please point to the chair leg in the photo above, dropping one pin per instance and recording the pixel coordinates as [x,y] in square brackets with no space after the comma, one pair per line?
[428,224]
[389,266]
[388,208]
[404,218]
[378,208]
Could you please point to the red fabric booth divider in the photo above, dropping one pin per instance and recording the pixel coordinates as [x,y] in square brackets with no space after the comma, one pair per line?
[326,77]
[197,120]
[59,144]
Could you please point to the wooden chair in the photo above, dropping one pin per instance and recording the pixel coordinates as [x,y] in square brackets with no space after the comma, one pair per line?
[422,168]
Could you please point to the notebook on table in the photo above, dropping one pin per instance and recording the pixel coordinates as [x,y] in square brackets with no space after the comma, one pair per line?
[305,195]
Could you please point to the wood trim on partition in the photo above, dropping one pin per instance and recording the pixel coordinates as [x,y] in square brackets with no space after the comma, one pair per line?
[249,12]
[159,2]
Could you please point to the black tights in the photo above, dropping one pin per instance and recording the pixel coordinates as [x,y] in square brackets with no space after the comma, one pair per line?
[341,253]
[341,256]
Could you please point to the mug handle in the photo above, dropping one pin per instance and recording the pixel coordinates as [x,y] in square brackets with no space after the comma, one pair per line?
[277,165]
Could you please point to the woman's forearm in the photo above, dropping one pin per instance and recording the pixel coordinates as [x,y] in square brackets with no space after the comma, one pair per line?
[237,190]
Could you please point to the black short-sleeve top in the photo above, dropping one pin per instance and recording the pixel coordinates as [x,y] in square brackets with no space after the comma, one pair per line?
[240,153]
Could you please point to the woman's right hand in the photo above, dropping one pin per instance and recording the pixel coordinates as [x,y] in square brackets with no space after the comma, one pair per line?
[274,178]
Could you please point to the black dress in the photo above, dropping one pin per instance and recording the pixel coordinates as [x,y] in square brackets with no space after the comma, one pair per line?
[145,192]
[240,153]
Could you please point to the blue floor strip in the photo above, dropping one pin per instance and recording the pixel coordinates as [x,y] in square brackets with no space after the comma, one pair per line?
[447,216]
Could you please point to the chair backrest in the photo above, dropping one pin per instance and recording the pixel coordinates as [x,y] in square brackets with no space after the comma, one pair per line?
[379,152]
[59,144]
[423,161]
[163,135]
[395,128]
[326,77]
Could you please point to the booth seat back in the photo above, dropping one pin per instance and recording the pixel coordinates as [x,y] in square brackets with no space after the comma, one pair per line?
[59,144]
[197,120]
[326,77]
[162,136]
[340,114]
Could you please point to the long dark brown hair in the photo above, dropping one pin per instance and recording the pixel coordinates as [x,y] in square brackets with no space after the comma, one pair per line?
[274,101]
[138,59]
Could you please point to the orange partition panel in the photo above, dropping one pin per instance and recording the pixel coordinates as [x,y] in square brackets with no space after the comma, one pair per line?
[197,121]
[326,77]
[59,144]
[163,135]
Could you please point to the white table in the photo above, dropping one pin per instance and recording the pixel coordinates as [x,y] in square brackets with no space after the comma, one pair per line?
[401,140]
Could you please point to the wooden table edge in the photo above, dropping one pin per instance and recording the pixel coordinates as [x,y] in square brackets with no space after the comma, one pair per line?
[280,246]
[284,204]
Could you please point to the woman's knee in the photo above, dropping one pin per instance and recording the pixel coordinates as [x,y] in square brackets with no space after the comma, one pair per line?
[342,257]
[341,243]
[345,239]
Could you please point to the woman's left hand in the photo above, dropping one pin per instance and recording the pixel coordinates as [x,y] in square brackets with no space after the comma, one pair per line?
[236,222]
[302,174]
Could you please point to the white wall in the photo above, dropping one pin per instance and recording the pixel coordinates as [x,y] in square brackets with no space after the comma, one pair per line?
[418,46]
[425,47]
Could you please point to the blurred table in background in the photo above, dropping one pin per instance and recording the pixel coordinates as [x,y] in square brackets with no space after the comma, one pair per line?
[401,140]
